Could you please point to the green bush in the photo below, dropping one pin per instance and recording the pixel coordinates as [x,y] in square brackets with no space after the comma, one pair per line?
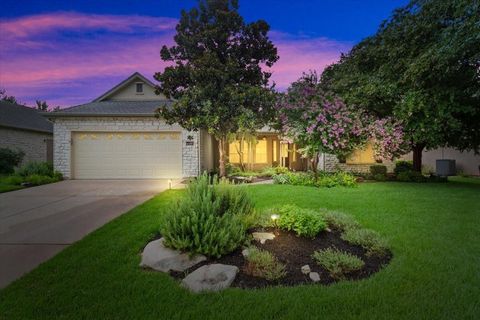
[411,176]
[402,166]
[12,180]
[37,180]
[303,222]
[340,221]
[328,180]
[380,177]
[378,169]
[337,263]
[367,239]
[210,219]
[36,168]
[263,264]
[281,170]
[9,159]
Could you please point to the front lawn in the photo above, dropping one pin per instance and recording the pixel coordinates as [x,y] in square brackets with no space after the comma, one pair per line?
[432,228]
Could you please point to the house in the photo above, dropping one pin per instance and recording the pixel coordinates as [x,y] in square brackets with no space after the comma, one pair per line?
[117,136]
[24,128]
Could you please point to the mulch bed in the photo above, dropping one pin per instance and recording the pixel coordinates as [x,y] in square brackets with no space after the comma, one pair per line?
[296,252]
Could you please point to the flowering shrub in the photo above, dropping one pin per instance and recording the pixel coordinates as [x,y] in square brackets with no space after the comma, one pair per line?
[320,123]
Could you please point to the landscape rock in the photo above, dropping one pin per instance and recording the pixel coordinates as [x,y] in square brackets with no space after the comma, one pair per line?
[306,269]
[245,252]
[212,277]
[314,276]
[160,258]
[263,236]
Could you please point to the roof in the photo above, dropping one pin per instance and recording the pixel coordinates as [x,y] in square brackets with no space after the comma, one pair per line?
[22,117]
[123,84]
[112,108]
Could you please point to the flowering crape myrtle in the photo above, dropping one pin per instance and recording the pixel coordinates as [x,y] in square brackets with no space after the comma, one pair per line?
[320,123]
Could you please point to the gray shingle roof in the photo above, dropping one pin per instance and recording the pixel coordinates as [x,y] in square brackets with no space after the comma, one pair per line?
[22,117]
[113,108]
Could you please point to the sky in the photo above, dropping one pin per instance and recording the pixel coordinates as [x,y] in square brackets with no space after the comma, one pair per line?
[70,52]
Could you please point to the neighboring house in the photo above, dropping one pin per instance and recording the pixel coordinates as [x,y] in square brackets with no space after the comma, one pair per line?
[24,128]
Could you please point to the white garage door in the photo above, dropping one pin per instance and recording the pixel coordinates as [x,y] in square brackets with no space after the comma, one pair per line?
[127,155]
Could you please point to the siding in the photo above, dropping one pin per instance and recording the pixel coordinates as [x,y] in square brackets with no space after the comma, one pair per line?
[33,143]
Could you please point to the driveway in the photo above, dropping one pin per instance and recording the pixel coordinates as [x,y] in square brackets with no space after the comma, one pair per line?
[39,222]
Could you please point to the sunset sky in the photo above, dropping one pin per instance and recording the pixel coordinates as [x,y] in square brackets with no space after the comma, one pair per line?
[70,52]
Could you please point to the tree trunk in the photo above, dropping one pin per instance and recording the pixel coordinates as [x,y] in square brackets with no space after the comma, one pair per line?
[221,159]
[417,157]
[315,166]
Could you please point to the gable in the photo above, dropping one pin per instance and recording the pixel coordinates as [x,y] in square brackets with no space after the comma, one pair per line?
[127,90]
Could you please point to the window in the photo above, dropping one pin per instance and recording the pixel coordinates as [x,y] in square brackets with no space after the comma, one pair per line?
[234,151]
[362,156]
[261,151]
[274,148]
[139,87]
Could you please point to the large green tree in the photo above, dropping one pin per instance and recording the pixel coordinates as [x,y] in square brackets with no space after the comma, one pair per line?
[422,67]
[216,77]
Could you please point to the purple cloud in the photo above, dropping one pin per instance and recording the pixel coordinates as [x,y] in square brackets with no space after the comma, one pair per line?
[70,58]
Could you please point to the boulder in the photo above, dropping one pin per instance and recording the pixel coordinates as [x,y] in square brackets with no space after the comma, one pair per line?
[305,269]
[212,277]
[314,276]
[160,258]
[263,236]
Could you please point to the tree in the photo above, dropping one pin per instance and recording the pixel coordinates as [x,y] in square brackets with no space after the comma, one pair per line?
[322,123]
[42,105]
[5,97]
[422,67]
[216,80]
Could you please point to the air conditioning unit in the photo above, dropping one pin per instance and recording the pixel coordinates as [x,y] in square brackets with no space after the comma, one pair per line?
[446,167]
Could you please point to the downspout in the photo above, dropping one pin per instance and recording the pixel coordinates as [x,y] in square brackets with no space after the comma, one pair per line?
[199,138]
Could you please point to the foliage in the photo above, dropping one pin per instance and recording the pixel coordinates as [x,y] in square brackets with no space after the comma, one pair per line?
[304,222]
[379,177]
[411,176]
[367,239]
[328,180]
[215,74]
[5,97]
[422,68]
[9,159]
[37,179]
[340,221]
[378,169]
[387,138]
[13,180]
[402,165]
[210,220]
[36,168]
[263,264]
[337,263]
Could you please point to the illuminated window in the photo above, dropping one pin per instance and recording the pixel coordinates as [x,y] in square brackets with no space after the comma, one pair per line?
[261,151]
[362,156]
[274,148]
[234,151]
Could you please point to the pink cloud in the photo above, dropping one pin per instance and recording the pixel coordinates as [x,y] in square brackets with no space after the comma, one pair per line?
[37,61]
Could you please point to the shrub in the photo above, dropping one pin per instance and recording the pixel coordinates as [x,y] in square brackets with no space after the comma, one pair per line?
[378,169]
[13,180]
[367,239]
[9,159]
[411,176]
[380,177]
[340,221]
[281,179]
[402,166]
[345,179]
[303,222]
[281,170]
[209,220]
[36,168]
[263,264]
[337,263]
[328,180]
[37,180]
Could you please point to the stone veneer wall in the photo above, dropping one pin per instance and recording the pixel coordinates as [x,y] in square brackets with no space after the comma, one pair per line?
[33,143]
[332,164]
[63,128]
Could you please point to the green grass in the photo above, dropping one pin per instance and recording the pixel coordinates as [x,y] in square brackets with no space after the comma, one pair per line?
[5,186]
[433,231]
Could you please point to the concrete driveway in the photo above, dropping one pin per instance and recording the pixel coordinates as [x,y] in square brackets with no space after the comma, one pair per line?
[37,223]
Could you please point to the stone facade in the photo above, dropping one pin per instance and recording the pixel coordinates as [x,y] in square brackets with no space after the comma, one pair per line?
[331,164]
[33,143]
[63,128]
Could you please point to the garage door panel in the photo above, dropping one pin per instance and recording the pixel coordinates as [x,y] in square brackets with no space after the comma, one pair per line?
[123,155]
